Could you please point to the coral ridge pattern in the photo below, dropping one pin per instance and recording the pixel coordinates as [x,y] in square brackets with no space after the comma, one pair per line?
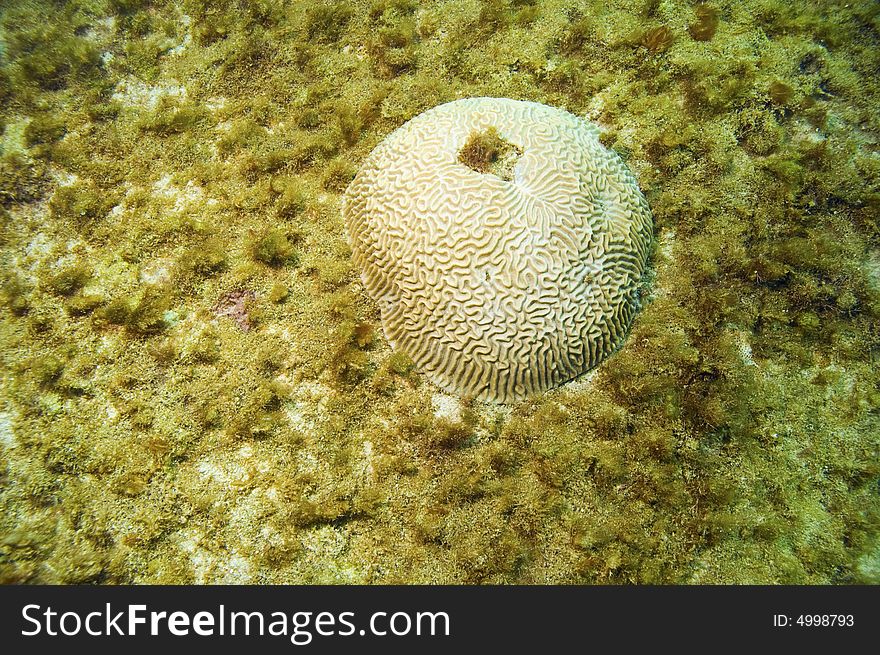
[498,289]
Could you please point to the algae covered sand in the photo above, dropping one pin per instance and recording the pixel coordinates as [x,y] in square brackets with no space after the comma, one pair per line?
[195,387]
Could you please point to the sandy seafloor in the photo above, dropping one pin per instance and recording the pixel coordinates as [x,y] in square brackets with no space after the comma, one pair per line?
[196,389]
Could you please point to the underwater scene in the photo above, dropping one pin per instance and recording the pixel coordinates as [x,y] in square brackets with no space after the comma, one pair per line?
[204,382]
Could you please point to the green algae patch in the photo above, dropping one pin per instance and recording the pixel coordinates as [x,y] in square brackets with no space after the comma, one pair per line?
[487,152]
[195,387]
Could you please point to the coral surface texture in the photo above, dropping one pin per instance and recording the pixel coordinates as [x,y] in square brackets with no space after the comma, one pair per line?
[499,288]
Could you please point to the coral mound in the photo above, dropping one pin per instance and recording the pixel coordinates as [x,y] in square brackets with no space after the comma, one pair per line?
[499,285]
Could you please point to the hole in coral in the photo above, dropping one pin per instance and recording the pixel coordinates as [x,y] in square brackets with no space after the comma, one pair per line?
[487,152]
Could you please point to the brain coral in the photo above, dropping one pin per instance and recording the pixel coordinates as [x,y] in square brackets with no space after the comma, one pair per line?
[499,288]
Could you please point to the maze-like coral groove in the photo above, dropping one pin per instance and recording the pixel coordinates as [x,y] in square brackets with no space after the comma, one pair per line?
[499,289]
